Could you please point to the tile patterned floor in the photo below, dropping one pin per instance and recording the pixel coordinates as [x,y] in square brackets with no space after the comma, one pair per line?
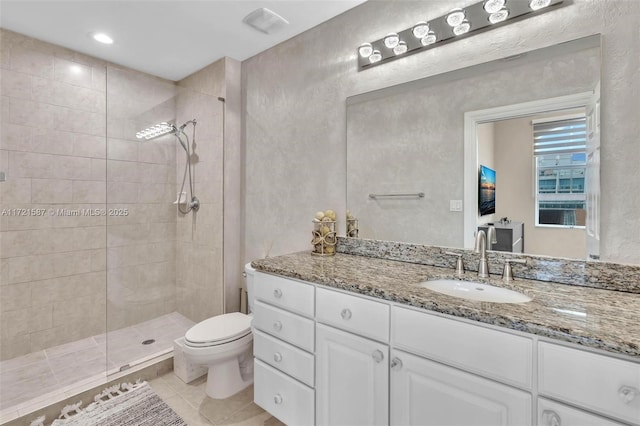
[35,375]
[197,409]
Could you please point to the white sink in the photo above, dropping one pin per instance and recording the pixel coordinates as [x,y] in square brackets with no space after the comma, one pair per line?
[476,291]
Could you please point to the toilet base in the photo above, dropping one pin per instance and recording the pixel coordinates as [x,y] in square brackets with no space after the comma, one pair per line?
[224,379]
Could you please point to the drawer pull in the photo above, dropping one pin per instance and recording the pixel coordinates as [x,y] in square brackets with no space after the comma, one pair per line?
[278,399]
[628,393]
[377,355]
[345,314]
[277,293]
[550,418]
[277,357]
[396,364]
[277,326]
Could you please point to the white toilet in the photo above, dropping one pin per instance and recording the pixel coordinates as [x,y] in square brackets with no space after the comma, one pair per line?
[224,344]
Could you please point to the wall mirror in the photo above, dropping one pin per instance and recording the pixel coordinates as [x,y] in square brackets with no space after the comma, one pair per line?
[414,151]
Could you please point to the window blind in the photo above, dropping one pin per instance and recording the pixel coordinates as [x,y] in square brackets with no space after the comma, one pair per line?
[560,137]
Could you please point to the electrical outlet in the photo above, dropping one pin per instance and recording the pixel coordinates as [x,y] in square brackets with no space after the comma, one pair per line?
[455,205]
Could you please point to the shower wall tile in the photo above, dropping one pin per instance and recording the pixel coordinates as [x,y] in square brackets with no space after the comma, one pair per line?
[14,297]
[31,61]
[45,166]
[51,191]
[122,192]
[16,84]
[122,150]
[33,268]
[122,171]
[15,191]
[89,146]
[88,192]
[73,73]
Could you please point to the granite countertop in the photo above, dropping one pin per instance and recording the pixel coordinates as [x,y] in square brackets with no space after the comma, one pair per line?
[595,318]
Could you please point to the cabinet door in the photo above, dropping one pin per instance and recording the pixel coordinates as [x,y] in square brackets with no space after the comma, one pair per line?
[352,379]
[425,393]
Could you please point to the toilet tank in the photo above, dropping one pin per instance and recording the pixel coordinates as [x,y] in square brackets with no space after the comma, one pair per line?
[249,271]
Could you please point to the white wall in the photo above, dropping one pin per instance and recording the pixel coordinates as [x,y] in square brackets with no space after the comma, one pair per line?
[295,95]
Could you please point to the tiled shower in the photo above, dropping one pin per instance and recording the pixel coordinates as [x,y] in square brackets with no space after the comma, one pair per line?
[95,258]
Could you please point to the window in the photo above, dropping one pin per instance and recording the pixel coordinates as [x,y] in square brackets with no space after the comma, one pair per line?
[561,161]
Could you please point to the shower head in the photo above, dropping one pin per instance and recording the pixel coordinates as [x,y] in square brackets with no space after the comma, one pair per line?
[157,131]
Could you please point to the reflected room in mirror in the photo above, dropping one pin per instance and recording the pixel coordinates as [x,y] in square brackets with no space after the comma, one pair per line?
[424,137]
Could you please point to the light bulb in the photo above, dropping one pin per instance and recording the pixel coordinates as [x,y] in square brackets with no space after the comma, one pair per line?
[420,29]
[455,17]
[400,48]
[391,40]
[102,38]
[499,16]
[492,6]
[375,57]
[429,39]
[365,50]
[463,28]
[539,4]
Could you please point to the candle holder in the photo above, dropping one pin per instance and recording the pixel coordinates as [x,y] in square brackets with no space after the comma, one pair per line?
[324,238]
[352,228]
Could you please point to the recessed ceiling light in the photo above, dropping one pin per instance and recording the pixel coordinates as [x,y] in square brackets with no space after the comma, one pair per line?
[102,38]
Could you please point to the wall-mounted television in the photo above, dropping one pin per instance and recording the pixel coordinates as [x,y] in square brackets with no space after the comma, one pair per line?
[486,191]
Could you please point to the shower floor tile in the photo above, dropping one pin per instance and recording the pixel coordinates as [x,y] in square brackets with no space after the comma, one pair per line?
[34,375]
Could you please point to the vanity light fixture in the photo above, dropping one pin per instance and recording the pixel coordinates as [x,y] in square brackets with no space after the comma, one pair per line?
[400,48]
[458,23]
[391,40]
[499,16]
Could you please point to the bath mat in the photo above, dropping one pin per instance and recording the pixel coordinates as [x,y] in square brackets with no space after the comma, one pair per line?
[125,405]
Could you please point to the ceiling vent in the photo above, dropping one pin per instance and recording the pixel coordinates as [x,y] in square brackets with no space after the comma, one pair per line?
[265,21]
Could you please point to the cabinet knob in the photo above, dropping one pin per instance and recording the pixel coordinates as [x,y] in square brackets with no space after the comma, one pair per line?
[628,393]
[278,399]
[277,293]
[551,418]
[277,357]
[277,326]
[377,355]
[345,314]
[396,364]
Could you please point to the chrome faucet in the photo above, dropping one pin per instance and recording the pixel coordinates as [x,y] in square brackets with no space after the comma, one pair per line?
[482,241]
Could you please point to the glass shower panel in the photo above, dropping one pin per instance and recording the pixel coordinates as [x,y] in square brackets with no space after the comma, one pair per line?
[148,304]
[52,225]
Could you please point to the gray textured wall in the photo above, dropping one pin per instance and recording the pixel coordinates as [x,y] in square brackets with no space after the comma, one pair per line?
[295,95]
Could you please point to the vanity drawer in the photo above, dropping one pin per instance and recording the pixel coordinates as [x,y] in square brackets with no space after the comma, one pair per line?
[352,313]
[553,413]
[283,397]
[599,383]
[284,325]
[291,295]
[493,354]
[286,358]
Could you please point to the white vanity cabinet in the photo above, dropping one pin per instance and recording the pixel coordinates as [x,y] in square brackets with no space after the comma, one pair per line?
[284,344]
[352,369]
[330,357]
[427,393]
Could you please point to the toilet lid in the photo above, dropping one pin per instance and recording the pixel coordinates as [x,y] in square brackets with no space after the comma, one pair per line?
[219,329]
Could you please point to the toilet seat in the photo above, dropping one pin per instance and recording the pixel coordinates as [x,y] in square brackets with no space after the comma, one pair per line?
[218,330]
